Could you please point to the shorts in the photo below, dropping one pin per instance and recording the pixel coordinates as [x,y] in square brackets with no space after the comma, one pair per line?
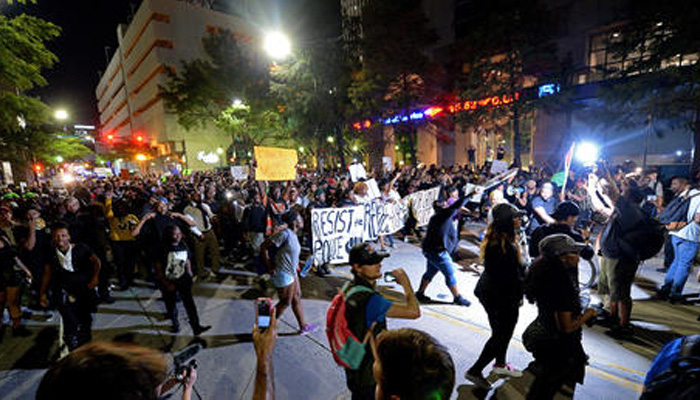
[282,279]
[616,278]
[10,278]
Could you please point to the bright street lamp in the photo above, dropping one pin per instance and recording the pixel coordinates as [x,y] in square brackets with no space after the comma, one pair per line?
[59,159]
[61,115]
[220,151]
[330,139]
[237,102]
[277,45]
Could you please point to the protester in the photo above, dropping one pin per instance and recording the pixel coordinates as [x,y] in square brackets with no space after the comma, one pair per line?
[565,216]
[174,270]
[117,371]
[206,243]
[441,240]
[542,207]
[368,310]
[554,338]
[122,241]
[685,246]
[617,266]
[500,291]
[284,269]
[72,274]
[675,215]
[12,271]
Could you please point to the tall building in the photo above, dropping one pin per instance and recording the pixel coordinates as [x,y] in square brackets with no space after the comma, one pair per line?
[160,36]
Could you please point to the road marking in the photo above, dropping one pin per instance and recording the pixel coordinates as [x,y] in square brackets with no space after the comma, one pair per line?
[629,384]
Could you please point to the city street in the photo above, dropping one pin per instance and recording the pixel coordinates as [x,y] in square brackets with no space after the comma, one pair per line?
[304,367]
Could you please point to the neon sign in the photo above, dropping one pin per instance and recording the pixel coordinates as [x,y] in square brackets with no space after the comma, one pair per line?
[458,106]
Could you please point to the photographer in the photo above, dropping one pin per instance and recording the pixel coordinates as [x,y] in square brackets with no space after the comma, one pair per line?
[113,371]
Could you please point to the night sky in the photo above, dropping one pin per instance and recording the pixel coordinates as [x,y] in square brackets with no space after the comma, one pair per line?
[90,25]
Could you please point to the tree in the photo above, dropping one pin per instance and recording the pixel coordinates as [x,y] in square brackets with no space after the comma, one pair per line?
[23,57]
[397,75]
[659,75]
[228,90]
[507,46]
[312,85]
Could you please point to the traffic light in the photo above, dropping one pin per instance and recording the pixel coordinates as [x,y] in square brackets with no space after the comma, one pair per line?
[139,139]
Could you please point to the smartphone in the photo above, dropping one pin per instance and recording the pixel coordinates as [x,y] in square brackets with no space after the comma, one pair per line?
[263,311]
[389,278]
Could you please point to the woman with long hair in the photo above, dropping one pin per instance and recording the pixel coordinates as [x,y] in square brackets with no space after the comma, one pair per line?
[500,291]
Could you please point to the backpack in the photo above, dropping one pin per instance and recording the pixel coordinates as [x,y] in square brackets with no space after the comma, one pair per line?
[348,351]
[675,372]
[645,241]
[676,213]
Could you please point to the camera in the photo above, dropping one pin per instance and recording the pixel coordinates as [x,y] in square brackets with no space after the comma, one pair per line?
[389,278]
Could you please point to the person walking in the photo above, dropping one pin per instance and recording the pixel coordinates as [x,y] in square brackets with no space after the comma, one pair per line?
[174,272]
[500,291]
[554,338]
[205,243]
[441,240]
[284,269]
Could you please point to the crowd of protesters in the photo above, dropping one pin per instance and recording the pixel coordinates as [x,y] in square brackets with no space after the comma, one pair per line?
[68,248]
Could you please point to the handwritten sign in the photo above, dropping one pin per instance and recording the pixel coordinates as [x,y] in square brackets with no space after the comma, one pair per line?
[335,231]
[239,172]
[422,204]
[275,164]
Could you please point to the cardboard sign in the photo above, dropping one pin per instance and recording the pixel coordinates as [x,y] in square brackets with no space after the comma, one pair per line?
[275,164]
[357,172]
[240,172]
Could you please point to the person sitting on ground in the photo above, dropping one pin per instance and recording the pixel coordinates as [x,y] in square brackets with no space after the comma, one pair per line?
[111,370]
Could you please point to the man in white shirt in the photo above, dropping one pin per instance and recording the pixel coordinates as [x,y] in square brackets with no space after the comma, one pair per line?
[685,245]
[207,242]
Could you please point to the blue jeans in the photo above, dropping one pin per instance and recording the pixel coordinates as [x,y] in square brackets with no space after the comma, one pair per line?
[440,262]
[677,274]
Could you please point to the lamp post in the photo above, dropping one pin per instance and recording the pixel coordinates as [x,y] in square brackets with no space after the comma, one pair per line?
[277,45]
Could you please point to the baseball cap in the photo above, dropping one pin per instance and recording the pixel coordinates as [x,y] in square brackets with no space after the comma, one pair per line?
[566,209]
[558,244]
[505,212]
[365,254]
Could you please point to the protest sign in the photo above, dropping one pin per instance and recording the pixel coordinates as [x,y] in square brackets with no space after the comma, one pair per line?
[357,172]
[387,163]
[239,172]
[498,166]
[335,231]
[275,164]
[373,189]
[422,204]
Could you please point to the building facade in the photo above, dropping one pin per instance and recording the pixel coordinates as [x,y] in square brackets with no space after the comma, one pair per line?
[160,36]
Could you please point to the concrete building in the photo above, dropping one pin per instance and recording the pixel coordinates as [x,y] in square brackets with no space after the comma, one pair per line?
[161,34]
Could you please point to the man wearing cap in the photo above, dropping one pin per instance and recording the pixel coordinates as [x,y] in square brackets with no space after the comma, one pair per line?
[441,240]
[565,216]
[556,344]
[368,309]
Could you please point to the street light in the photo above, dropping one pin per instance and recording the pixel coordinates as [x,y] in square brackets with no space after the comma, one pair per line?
[59,159]
[330,139]
[220,151]
[237,102]
[277,45]
[61,115]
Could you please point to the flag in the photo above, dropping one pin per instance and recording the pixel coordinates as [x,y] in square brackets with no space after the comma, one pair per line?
[567,167]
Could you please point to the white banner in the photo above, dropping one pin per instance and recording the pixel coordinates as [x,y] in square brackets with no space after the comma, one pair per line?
[422,204]
[373,189]
[335,231]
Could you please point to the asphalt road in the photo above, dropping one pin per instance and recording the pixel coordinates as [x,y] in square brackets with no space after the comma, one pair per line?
[304,368]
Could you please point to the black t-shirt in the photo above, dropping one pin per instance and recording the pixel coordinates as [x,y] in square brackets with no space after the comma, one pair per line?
[502,280]
[552,287]
[173,259]
[551,229]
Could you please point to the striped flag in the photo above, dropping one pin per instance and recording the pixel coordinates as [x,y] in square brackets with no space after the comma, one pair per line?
[567,167]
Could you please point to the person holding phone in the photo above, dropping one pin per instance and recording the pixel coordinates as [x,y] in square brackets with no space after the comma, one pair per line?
[284,269]
[369,310]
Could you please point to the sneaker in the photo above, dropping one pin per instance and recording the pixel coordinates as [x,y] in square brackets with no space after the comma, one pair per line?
[461,301]
[678,300]
[308,328]
[507,370]
[198,330]
[423,298]
[478,380]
